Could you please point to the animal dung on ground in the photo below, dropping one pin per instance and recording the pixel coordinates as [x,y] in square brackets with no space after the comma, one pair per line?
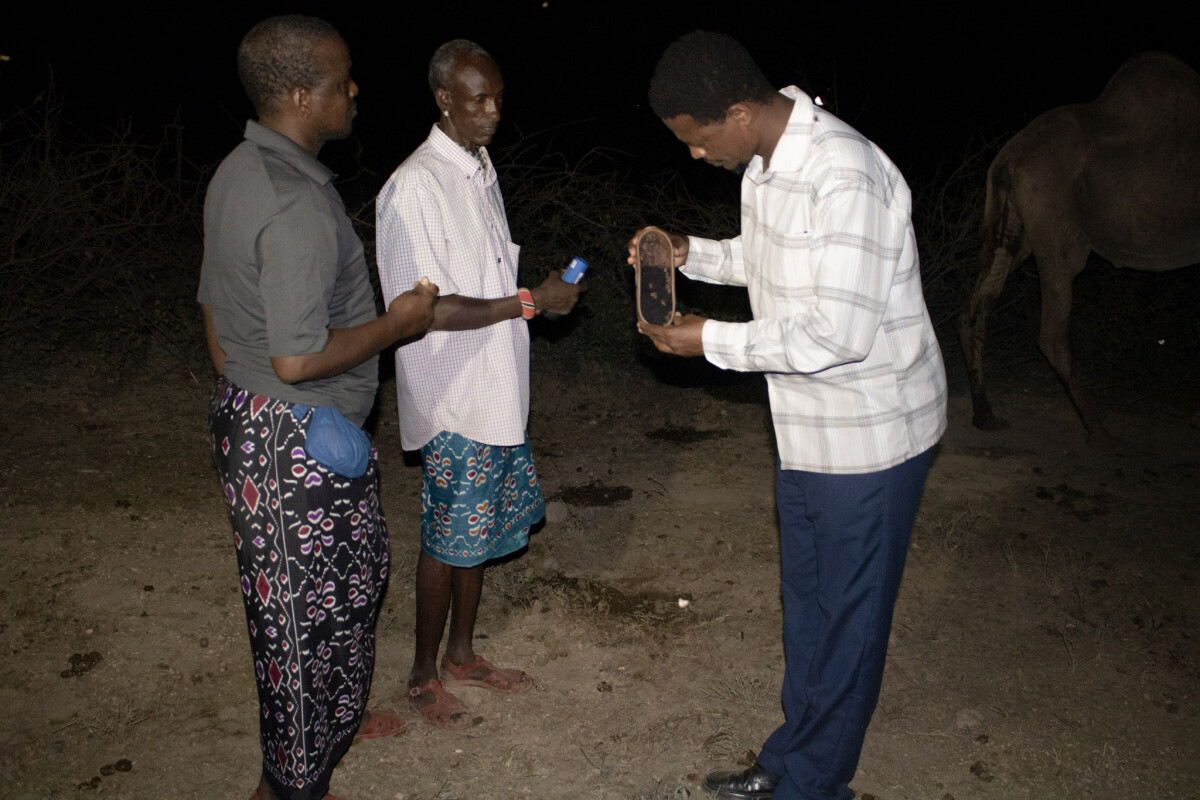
[654,261]
[81,663]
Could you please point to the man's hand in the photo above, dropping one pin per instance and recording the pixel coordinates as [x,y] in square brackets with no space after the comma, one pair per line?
[412,311]
[683,337]
[409,314]
[215,351]
[557,295]
[679,248]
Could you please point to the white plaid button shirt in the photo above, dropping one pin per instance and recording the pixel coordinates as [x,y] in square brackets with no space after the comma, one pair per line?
[829,258]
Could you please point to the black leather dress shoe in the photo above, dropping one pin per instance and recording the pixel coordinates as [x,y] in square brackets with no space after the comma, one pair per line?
[756,783]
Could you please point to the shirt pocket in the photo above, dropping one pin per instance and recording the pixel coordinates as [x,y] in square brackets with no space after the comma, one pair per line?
[514,257]
[783,283]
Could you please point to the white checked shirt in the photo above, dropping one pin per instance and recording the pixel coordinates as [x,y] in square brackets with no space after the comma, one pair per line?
[829,258]
[441,216]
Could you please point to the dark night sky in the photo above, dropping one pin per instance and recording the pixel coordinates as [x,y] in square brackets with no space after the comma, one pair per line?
[918,78]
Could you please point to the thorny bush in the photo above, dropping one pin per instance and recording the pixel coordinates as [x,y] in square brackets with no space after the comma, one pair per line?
[94,229]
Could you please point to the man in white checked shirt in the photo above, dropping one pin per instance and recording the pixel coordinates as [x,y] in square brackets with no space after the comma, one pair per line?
[857,386]
[463,388]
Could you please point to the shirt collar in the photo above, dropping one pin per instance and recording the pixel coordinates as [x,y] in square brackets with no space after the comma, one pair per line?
[453,152]
[791,150]
[263,136]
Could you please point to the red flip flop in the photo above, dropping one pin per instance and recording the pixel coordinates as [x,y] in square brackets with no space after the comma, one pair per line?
[446,711]
[379,725]
[485,674]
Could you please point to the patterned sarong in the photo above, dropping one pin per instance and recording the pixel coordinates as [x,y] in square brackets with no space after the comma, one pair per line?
[313,559]
[478,500]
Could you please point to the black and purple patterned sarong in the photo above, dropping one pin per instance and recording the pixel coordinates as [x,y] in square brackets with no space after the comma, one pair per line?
[313,559]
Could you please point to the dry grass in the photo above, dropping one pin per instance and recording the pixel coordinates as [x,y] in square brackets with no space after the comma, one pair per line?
[115,722]
[664,791]
[954,535]
[744,691]
[720,745]
[947,216]
[98,233]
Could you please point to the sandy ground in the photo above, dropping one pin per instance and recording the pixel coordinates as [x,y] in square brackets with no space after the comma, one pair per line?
[1045,642]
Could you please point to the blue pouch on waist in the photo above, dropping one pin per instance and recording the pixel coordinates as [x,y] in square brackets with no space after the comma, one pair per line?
[334,442]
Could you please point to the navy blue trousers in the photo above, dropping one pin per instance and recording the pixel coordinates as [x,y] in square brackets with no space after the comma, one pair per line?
[843,541]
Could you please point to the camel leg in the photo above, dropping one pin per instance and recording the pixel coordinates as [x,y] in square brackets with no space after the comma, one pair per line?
[1057,276]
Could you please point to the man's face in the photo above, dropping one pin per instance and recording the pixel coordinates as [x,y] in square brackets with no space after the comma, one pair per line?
[723,144]
[474,99]
[331,101]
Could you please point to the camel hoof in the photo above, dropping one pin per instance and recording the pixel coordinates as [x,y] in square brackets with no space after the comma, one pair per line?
[989,422]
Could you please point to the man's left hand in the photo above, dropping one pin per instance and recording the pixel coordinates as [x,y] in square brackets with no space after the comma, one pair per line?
[682,337]
[556,295]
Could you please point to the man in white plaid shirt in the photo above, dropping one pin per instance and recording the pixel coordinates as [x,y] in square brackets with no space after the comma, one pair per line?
[857,386]
[463,388]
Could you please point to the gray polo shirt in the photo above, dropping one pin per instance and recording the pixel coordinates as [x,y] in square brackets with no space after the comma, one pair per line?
[282,266]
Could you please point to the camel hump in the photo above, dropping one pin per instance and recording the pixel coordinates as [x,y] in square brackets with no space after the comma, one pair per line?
[1148,110]
[1153,86]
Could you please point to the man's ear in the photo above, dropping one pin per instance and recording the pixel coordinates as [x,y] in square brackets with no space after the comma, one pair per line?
[442,98]
[740,113]
[299,99]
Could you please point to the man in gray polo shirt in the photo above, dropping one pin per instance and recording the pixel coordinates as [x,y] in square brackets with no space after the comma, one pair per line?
[293,334]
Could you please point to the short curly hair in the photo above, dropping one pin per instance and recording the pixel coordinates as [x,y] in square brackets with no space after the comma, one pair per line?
[441,66]
[702,74]
[278,55]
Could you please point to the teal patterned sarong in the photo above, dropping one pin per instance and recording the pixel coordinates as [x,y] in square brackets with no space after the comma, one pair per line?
[478,500]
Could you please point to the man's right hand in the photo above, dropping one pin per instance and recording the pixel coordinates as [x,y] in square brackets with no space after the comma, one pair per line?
[679,247]
[412,311]
[408,315]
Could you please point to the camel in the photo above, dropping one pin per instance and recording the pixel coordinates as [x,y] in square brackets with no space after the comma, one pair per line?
[1119,176]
